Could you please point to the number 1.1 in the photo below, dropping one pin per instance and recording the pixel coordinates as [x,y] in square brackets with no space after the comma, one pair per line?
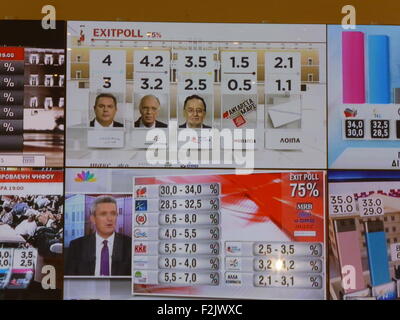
[289,85]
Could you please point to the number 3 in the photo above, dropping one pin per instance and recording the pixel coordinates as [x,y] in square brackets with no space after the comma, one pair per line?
[107,82]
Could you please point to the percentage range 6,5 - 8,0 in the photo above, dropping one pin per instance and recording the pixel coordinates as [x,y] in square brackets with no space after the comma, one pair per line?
[211,218]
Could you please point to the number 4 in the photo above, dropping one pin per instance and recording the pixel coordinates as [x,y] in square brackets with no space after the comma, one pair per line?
[107,60]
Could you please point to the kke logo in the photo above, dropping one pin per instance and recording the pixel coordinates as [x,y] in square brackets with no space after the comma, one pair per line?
[140,248]
[85,176]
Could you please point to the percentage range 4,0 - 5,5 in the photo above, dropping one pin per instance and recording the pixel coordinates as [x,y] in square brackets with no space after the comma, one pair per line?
[304,189]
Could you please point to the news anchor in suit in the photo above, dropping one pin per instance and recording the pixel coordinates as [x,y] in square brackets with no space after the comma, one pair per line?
[105,252]
[105,108]
[194,111]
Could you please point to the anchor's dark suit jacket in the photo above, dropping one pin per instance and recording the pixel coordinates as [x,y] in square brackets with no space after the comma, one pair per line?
[81,258]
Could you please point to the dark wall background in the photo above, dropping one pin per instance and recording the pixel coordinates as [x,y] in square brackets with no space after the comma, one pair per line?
[256,11]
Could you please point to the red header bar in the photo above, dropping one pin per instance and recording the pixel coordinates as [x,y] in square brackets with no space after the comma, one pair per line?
[12,53]
[31,176]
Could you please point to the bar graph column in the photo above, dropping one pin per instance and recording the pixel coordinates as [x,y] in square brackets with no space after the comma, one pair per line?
[378,69]
[353,67]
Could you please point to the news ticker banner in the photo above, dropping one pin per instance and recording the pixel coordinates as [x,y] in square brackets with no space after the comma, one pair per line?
[24,193]
[172,77]
[32,97]
[22,182]
[363,231]
[230,236]
[363,111]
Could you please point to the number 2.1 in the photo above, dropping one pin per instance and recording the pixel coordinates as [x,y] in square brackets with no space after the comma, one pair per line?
[280,60]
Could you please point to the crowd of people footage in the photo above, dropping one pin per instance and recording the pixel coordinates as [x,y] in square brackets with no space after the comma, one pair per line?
[36,218]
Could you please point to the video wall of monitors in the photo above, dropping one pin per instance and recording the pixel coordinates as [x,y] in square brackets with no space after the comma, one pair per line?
[32,94]
[251,87]
[364,234]
[363,100]
[143,160]
[31,233]
[208,233]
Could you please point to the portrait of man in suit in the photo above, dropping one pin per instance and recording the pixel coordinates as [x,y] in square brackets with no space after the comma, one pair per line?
[105,252]
[105,109]
[149,108]
[194,111]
